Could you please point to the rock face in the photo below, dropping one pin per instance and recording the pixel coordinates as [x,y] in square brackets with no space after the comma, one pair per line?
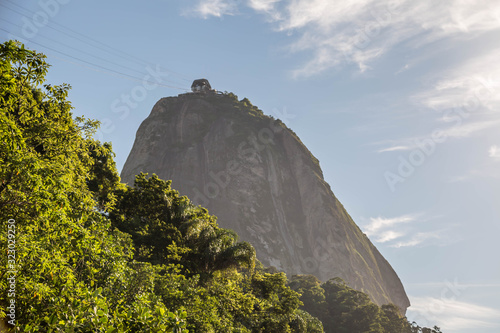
[261,181]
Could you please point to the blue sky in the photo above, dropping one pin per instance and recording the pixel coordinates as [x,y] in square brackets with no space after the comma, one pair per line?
[399,100]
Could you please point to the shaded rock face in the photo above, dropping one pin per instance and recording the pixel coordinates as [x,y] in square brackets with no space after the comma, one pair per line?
[258,178]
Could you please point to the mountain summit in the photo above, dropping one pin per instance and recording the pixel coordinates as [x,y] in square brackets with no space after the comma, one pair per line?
[255,174]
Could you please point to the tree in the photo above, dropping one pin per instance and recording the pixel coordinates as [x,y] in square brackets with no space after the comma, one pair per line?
[277,304]
[69,263]
[103,178]
[312,294]
[393,321]
[168,228]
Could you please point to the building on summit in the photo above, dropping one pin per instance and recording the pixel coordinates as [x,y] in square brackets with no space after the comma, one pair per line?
[201,86]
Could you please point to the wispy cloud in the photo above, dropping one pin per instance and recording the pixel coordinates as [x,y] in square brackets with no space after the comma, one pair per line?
[458,130]
[216,8]
[383,229]
[268,8]
[451,314]
[263,5]
[378,224]
[360,31]
[494,152]
[467,97]
[419,238]
[401,231]
[389,235]
[396,148]
[440,284]
[470,85]
[464,131]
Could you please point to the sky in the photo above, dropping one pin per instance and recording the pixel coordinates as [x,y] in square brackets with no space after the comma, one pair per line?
[399,100]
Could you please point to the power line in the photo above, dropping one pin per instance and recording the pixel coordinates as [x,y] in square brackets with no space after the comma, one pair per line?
[116,51]
[63,32]
[81,51]
[74,48]
[130,77]
[127,77]
[66,29]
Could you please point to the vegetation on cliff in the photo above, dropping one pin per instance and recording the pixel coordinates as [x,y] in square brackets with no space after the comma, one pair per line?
[90,254]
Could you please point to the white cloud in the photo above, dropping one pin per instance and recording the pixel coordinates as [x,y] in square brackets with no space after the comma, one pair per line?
[468,87]
[217,8]
[381,228]
[395,148]
[380,223]
[453,285]
[360,31]
[418,239]
[403,69]
[457,131]
[388,235]
[451,314]
[262,5]
[494,152]
[464,131]
[401,231]
[467,98]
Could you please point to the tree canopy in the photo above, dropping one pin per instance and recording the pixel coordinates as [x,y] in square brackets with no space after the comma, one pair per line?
[95,255]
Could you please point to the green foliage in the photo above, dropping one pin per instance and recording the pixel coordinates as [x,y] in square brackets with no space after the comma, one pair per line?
[230,95]
[200,263]
[392,321]
[95,255]
[68,259]
[342,309]
[168,228]
[245,103]
[304,322]
[103,178]
[312,294]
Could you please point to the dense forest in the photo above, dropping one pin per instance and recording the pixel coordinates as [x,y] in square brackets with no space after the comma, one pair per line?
[83,252]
